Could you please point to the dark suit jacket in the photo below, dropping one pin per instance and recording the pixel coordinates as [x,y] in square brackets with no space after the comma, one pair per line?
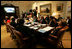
[24,30]
[43,21]
[13,24]
[69,22]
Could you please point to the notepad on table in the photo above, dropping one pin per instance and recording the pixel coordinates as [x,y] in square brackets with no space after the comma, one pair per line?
[45,29]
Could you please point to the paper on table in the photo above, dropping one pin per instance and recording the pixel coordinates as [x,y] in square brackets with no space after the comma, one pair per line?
[48,28]
[28,25]
[43,24]
[33,27]
[41,30]
[45,29]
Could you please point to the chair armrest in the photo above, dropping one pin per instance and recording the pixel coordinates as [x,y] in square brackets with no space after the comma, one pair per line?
[53,36]
[65,28]
[25,38]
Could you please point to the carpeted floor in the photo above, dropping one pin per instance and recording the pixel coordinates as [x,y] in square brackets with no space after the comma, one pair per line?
[7,42]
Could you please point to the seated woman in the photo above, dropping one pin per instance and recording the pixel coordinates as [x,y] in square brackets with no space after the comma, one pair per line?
[42,20]
[47,19]
[62,26]
[52,22]
[13,23]
[55,35]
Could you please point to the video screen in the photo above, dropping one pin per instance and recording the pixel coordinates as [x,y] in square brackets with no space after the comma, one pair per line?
[9,9]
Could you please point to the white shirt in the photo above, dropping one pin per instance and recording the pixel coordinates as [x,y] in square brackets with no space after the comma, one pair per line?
[16,20]
[67,20]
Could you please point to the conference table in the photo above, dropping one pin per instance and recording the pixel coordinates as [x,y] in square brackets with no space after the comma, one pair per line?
[41,29]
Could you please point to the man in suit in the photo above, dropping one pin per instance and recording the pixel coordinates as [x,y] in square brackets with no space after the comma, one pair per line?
[59,18]
[21,28]
[35,13]
[26,32]
[13,23]
[69,22]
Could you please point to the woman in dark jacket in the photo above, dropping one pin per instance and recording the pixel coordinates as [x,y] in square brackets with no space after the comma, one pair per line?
[42,20]
[53,22]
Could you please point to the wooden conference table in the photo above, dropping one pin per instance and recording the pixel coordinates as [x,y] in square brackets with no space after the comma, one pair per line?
[42,29]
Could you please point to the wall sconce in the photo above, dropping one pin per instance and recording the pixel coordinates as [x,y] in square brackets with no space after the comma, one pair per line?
[54,14]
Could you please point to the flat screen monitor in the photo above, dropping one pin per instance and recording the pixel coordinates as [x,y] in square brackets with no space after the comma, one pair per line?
[9,9]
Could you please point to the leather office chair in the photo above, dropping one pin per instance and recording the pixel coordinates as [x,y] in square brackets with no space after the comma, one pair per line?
[11,28]
[56,41]
[7,27]
[20,39]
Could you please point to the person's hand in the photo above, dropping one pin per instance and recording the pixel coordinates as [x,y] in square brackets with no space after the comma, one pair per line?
[65,28]
[25,38]
[4,21]
[52,32]
[61,30]
[68,24]
[53,36]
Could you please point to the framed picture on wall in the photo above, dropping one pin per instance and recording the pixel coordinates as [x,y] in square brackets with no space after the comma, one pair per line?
[45,8]
[59,8]
[69,9]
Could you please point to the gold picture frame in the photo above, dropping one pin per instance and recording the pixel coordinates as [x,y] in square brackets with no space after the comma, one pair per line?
[45,9]
[59,7]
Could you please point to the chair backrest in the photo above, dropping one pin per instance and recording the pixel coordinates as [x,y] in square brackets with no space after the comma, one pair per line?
[7,27]
[60,34]
[18,33]
[11,28]
[18,36]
